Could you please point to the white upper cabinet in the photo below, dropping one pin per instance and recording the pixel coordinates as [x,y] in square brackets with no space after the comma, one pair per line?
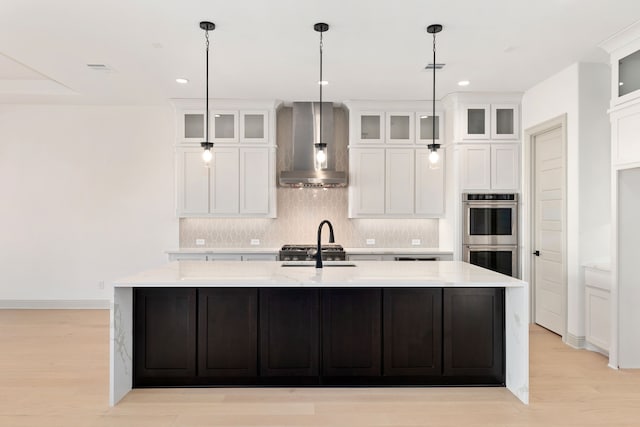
[490,122]
[476,121]
[193,182]
[504,121]
[429,184]
[475,167]
[240,181]
[399,181]
[424,128]
[255,180]
[490,166]
[225,126]
[254,126]
[225,177]
[505,166]
[369,127]
[191,126]
[366,182]
[400,128]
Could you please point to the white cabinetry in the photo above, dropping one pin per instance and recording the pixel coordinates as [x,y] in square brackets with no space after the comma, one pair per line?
[597,307]
[241,179]
[399,181]
[394,182]
[366,182]
[400,127]
[490,121]
[389,174]
[489,166]
[237,183]
[202,255]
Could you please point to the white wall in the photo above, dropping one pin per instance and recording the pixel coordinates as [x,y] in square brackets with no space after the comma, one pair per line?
[581,91]
[87,195]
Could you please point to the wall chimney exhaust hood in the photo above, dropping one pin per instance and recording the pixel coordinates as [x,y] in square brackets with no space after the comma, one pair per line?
[306,130]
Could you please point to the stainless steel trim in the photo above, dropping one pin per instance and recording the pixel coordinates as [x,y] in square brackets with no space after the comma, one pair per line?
[469,239]
[467,249]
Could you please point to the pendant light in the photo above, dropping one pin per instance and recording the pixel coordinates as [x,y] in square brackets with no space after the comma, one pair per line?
[434,156]
[207,155]
[320,149]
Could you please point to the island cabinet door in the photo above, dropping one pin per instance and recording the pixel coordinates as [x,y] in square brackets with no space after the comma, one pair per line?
[351,336]
[473,333]
[164,334]
[289,332]
[412,331]
[227,332]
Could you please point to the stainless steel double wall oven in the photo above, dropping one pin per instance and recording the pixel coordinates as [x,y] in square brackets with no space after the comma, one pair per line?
[490,231]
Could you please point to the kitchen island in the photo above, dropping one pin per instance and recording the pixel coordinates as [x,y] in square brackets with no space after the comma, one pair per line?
[194,323]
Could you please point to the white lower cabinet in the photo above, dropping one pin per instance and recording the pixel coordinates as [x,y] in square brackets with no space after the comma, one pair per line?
[490,166]
[239,182]
[186,256]
[394,183]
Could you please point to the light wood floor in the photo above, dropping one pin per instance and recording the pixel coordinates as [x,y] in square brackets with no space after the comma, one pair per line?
[54,372]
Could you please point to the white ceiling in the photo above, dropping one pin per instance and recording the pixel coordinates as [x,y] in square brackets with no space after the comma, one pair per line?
[267,49]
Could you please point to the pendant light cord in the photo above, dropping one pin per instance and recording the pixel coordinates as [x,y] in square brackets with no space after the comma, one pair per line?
[321,84]
[206,35]
[433,117]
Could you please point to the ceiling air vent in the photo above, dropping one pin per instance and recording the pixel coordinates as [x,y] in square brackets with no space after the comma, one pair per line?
[99,67]
[438,66]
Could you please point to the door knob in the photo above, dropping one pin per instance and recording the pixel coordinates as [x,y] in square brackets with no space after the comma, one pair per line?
[537,253]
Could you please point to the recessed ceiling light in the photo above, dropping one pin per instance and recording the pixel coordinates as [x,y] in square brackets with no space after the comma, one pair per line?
[621,84]
[323,82]
[182,81]
[463,83]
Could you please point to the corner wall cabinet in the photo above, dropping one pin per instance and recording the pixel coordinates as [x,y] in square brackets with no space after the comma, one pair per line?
[275,336]
[241,178]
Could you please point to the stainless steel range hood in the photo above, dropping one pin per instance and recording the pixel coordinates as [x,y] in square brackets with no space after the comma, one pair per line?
[306,126]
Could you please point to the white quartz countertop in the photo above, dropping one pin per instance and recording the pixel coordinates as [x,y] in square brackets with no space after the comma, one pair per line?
[334,274]
[364,250]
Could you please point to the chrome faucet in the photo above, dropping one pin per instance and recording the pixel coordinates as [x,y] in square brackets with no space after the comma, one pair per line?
[331,240]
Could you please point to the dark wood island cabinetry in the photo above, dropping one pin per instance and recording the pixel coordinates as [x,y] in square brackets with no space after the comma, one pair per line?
[310,336]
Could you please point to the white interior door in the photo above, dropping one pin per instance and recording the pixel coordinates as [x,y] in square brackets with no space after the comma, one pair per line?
[549,229]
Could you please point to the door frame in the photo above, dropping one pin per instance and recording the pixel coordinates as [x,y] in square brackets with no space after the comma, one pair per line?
[528,212]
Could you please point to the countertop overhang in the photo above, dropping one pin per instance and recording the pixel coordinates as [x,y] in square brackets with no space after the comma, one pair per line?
[363,274]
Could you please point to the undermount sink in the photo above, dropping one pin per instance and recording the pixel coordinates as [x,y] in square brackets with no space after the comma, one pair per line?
[313,264]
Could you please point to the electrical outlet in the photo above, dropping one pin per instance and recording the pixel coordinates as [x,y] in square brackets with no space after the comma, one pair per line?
[101,284]
[199,242]
[371,241]
[255,242]
[416,242]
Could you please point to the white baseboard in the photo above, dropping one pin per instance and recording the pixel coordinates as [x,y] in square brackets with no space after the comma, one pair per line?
[55,304]
[575,341]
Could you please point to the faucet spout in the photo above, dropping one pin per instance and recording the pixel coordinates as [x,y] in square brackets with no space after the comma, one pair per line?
[319,248]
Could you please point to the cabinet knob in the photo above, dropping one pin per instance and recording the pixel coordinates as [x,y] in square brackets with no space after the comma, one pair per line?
[537,253]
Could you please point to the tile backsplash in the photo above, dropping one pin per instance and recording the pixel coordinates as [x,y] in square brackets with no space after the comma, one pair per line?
[301,210]
[299,213]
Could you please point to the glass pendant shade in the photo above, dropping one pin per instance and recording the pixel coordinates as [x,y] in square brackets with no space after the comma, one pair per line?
[207,156]
[320,156]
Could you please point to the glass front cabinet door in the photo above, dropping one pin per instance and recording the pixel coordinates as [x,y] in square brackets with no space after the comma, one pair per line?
[400,128]
[424,128]
[191,125]
[504,121]
[253,126]
[370,128]
[225,126]
[476,121]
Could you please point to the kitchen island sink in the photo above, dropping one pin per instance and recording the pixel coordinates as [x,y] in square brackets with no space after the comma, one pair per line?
[387,323]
